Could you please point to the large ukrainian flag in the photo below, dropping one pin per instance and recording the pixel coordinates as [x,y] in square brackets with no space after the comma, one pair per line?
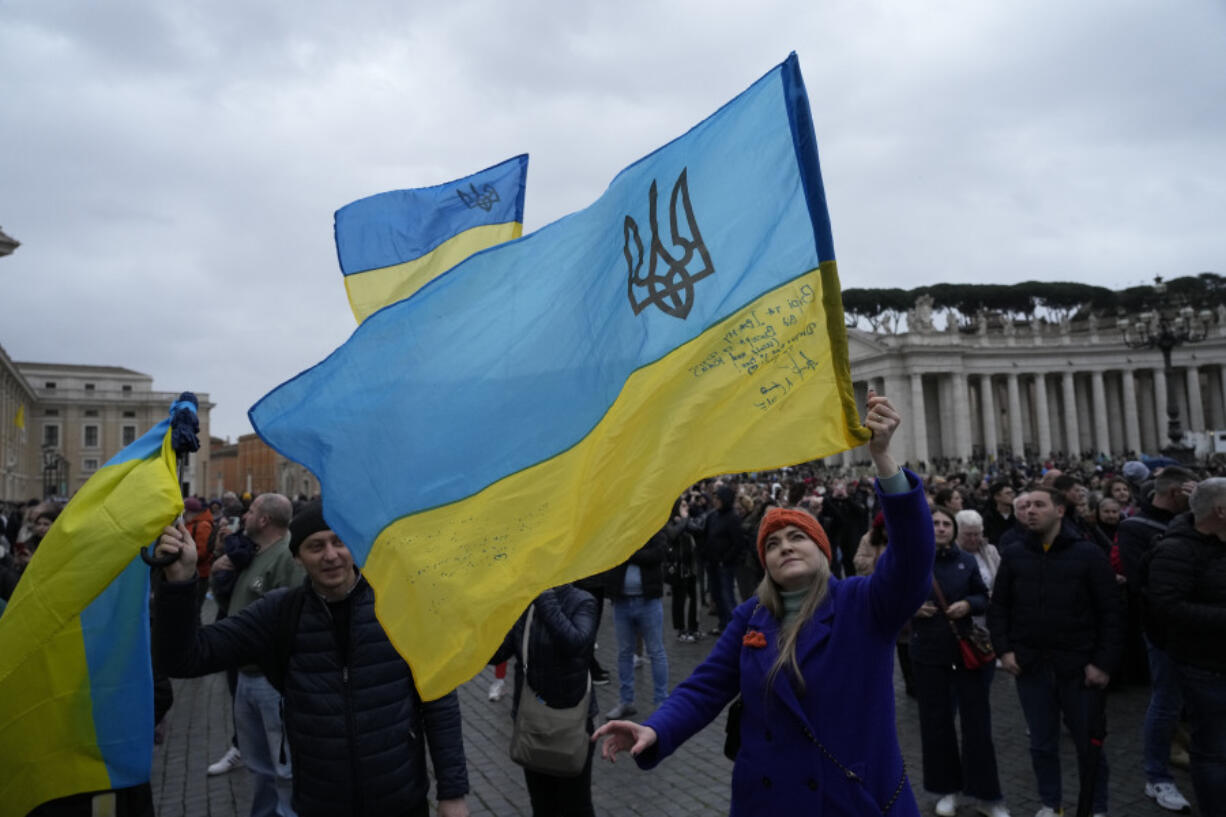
[76,688]
[528,418]
[391,244]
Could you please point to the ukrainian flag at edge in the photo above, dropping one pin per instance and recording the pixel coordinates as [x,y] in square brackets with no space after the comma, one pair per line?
[389,245]
[76,688]
[528,418]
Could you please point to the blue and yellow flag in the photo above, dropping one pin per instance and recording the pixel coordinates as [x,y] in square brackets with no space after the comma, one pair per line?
[76,688]
[528,418]
[390,244]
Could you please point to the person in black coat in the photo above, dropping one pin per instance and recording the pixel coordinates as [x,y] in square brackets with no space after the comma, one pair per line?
[1187,591]
[355,727]
[1055,623]
[938,671]
[560,642]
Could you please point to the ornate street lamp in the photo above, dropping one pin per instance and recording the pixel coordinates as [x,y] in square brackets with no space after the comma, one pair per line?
[1165,328]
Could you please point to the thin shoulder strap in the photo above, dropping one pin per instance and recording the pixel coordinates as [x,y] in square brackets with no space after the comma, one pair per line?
[523,653]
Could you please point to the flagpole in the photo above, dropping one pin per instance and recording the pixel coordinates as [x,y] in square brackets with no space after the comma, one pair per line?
[184,426]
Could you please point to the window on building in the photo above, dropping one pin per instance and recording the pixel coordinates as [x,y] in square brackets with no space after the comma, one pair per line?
[91,412]
[50,384]
[89,436]
[127,387]
[51,435]
[129,435]
[129,414]
[51,413]
[89,386]
[89,464]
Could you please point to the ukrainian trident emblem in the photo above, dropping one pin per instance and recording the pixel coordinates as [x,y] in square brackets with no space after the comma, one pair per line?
[669,283]
[485,198]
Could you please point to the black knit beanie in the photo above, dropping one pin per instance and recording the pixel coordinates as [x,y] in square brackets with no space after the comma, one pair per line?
[308,520]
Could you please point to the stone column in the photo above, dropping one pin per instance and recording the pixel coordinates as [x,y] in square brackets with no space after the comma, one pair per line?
[1222,377]
[898,388]
[1196,406]
[1132,428]
[1072,436]
[1041,414]
[987,401]
[1163,420]
[962,416]
[1098,393]
[1016,438]
[919,425]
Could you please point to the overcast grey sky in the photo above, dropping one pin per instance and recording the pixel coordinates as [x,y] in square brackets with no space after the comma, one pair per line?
[171,168]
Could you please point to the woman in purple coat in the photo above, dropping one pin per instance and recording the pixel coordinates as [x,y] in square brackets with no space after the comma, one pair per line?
[812,657]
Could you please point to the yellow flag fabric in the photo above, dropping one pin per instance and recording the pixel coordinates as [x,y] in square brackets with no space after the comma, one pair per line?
[76,688]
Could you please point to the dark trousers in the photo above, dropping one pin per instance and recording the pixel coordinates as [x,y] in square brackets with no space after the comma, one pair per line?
[562,796]
[593,664]
[1204,694]
[685,590]
[719,581]
[940,690]
[1044,698]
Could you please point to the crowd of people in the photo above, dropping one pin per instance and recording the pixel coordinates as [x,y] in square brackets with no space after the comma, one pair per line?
[1084,575]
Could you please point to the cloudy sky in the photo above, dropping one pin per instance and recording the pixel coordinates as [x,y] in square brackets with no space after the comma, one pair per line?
[171,169]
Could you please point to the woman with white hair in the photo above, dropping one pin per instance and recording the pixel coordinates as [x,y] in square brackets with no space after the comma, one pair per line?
[987,557]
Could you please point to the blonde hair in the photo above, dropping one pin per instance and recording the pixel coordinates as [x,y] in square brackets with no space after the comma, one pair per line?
[770,598]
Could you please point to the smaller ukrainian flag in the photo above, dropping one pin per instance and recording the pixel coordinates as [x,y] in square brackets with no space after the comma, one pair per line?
[76,687]
[392,244]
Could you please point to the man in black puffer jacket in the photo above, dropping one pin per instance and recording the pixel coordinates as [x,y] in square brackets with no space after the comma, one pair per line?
[356,728]
[1187,591]
[1055,622]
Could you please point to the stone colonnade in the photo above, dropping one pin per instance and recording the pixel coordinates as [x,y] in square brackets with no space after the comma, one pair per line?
[970,398]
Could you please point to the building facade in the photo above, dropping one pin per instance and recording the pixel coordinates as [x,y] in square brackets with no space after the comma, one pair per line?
[250,465]
[1036,390]
[75,419]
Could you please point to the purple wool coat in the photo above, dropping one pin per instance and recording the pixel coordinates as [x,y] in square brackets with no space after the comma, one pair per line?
[846,654]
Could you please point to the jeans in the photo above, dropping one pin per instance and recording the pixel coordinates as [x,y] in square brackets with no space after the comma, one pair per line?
[563,796]
[635,615]
[1162,716]
[1044,697]
[973,771]
[257,716]
[1204,692]
[719,582]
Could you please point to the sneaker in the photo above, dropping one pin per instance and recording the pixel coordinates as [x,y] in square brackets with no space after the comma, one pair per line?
[1048,811]
[230,761]
[498,689]
[947,806]
[1167,796]
[715,631]
[600,678]
[639,661]
[620,711]
[993,809]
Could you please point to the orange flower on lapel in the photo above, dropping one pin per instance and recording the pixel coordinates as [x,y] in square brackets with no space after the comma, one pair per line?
[755,639]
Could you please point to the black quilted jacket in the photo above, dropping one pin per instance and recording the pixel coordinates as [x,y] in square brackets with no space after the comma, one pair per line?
[357,730]
[1187,589]
[1060,607]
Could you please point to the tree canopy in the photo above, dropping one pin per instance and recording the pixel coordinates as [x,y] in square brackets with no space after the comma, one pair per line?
[883,310]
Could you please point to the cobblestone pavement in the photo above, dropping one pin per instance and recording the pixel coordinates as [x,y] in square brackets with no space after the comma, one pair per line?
[695,780]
